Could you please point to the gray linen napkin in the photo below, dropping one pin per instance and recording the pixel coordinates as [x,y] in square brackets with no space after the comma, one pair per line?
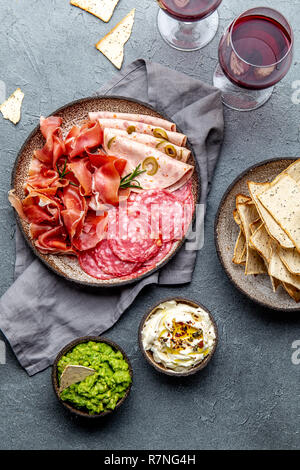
[41,312]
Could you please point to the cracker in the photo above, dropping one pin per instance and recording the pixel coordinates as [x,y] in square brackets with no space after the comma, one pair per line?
[272,227]
[239,255]
[112,45]
[282,200]
[11,108]
[291,259]
[254,262]
[103,9]
[73,374]
[259,240]
[278,270]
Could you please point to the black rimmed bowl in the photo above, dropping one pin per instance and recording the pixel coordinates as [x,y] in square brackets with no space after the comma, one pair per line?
[148,354]
[256,288]
[85,339]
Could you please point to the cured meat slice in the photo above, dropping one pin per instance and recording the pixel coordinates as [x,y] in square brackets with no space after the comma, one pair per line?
[183,193]
[131,241]
[179,153]
[89,265]
[166,213]
[169,172]
[144,118]
[173,137]
[110,263]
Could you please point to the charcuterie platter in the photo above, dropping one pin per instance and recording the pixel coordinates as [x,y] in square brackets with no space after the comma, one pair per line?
[105,190]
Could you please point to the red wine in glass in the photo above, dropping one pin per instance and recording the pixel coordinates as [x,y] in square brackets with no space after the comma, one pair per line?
[189,10]
[254,53]
[188,25]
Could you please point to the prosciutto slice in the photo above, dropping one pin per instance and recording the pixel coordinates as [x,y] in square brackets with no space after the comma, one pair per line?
[183,153]
[170,174]
[144,118]
[94,230]
[75,209]
[43,179]
[173,137]
[106,179]
[54,147]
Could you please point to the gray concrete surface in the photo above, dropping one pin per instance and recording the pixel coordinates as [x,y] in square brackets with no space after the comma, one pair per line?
[248,397]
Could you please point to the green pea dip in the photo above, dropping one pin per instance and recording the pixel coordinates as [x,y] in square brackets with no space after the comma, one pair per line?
[101,391]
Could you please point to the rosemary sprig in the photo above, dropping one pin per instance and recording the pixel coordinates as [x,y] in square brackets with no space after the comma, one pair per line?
[128,180]
[62,173]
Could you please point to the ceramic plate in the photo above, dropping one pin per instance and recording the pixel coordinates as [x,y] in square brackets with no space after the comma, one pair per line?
[257,288]
[73,114]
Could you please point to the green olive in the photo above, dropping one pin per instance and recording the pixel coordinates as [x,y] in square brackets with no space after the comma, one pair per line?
[130,129]
[170,150]
[111,141]
[161,142]
[152,163]
[160,133]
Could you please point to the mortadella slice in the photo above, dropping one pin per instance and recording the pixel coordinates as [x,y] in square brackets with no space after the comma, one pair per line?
[181,153]
[170,173]
[144,118]
[135,126]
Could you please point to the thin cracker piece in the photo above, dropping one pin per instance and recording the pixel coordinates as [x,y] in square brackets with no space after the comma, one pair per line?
[239,255]
[283,202]
[73,374]
[103,9]
[278,270]
[112,45]
[11,108]
[254,262]
[292,291]
[272,227]
[259,240]
[291,259]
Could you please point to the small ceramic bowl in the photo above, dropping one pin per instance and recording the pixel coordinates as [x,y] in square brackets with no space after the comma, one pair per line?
[65,350]
[148,354]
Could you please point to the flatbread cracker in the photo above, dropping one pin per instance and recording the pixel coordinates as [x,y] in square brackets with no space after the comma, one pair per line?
[103,9]
[291,259]
[278,270]
[254,262]
[239,255]
[112,45]
[283,202]
[255,225]
[292,291]
[11,108]
[73,374]
[259,240]
[271,225]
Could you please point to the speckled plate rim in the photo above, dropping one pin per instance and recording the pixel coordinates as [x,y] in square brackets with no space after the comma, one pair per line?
[168,257]
[216,235]
[162,369]
[68,348]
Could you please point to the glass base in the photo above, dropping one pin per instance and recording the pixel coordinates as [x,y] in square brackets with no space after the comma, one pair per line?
[238,98]
[187,36]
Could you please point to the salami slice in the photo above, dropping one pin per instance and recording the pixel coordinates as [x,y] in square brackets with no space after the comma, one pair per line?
[88,264]
[185,192]
[110,263]
[132,240]
[166,213]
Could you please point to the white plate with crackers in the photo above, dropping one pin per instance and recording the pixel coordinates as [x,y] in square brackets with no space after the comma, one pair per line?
[257,233]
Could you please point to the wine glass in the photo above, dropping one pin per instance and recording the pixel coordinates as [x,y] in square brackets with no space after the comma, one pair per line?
[188,25]
[255,53]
